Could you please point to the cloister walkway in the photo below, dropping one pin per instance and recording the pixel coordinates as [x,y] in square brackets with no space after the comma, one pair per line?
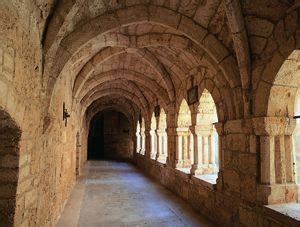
[117,194]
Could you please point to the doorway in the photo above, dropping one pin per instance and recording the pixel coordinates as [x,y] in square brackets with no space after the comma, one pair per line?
[110,137]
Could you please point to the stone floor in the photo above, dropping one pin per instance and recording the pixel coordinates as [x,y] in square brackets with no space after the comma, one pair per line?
[117,194]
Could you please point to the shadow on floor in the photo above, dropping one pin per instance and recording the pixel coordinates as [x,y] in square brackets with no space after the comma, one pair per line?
[114,193]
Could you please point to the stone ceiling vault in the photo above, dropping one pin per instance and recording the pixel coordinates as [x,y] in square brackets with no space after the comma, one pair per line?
[149,47]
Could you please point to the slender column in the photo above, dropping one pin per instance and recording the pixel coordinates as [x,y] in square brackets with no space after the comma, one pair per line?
[161,156]
[159,151]
[197,157]
[182,146]
[185,147]
[172,152]
[138,142]
[205,149]
[147,143]
[275,160]
[179,150]
[199,149]
[143,147]
[153,144]
[191,149]
[165,143]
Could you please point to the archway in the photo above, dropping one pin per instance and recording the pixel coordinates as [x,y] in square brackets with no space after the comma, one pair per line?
[162,152]
[110,136]
[10,135]
[279,163]
[207,158]
[184,139]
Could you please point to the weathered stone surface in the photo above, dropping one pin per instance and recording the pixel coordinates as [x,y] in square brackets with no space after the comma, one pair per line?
[142,57]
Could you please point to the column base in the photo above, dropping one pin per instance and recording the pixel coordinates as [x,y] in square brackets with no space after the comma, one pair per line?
[153,156]
[200,169]
[196,169]
[278,193]
[161,158]
[178,164]
[213,168]
[186,163]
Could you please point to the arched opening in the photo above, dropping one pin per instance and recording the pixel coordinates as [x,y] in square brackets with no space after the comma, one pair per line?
[110,136]
[279,165]
[10,135]
[184,154]
[206,163]
[162,137]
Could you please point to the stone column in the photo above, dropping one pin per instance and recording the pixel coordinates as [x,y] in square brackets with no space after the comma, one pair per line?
[191,149]
[154,149]
[147,143]
[179,149]
[172,147]
[138,142]
[185,148]
[213,168]
[184,160]
[204,150]
[197,144]
[165,143]
[219,129]
[143,141]
[171,135]
[160,156]
[182,142]
[277,181]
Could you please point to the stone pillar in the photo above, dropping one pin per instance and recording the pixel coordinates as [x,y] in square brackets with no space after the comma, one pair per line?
[161,155]
[153,149]
[172,147]
[219,128]
[138,142]
[221,148]
[143,141]
[165,143]
[147,143]
[277,181]
[197,144]
[179,147]
[183,144]
[204,150]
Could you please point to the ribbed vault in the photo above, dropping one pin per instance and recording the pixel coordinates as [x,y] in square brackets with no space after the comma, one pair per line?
[130,51]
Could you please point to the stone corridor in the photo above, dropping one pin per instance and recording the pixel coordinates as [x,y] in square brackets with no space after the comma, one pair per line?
[117,194]
[203,96]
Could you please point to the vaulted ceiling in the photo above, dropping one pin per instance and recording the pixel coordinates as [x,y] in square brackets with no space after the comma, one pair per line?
[142,51]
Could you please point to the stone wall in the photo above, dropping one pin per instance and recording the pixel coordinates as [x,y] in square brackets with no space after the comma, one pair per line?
[41,166]
[238,197]
[132,56]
